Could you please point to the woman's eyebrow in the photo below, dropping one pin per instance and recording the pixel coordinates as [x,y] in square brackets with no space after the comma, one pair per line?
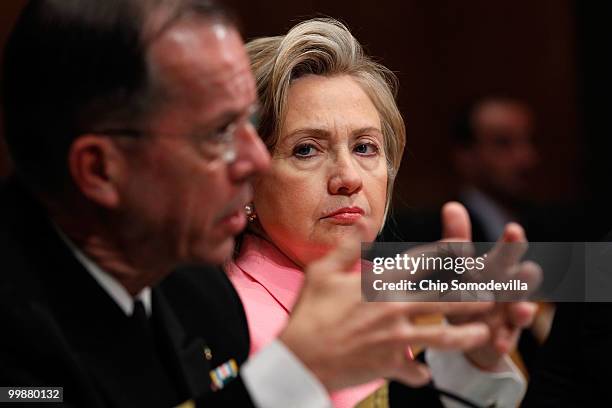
[367,129]
[317,133]
[320,132]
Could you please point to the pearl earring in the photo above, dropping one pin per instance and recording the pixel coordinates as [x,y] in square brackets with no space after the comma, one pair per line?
[249,210]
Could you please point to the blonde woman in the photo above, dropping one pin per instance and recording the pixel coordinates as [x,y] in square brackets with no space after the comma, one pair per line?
[336,137]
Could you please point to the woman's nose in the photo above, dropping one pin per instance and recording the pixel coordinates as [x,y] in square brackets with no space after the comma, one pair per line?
[345,177]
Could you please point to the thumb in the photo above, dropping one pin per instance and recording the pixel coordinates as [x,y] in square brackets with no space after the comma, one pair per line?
[513,232]
[456,223]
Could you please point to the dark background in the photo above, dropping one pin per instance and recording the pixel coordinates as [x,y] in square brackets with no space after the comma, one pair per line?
[551,53]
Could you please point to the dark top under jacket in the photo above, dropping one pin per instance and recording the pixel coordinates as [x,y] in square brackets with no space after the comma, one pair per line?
[574,367]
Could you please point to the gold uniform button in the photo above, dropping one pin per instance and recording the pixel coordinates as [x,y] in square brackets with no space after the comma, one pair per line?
[207,353]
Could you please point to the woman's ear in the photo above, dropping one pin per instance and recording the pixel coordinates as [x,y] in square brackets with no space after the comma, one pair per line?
[97,167]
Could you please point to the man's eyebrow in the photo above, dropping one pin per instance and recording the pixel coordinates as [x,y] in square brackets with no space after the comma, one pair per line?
[226,118]
[221,122]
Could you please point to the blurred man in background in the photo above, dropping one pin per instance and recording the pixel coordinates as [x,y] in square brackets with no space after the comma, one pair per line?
[495,156]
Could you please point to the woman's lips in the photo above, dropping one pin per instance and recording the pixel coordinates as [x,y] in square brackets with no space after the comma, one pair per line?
[345,215]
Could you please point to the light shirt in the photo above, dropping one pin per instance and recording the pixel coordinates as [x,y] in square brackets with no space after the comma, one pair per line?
[451,371]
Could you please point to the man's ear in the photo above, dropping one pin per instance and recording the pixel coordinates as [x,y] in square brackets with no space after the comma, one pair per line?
[97,167]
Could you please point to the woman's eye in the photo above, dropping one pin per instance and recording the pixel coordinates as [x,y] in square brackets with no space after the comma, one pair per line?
[366,149]
[305,150]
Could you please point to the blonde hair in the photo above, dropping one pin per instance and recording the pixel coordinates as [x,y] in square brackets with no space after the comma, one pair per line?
[324,46]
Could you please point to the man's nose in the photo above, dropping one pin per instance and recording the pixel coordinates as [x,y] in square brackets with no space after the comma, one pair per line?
[252,157]
[527,154]
[344,178]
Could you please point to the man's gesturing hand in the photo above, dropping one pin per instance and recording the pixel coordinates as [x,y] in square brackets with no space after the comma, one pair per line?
[345,341]
[505,320]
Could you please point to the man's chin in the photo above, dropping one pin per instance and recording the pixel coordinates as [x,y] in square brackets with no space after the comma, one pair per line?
[217,253]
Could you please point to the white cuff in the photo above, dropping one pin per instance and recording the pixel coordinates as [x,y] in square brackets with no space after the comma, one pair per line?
[275,378]
[451,371]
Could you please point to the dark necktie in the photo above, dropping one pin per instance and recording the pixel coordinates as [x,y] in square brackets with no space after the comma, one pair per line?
[140,318]
[156,361]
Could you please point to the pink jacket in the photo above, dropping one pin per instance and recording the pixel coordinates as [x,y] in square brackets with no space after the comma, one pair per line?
[268,284]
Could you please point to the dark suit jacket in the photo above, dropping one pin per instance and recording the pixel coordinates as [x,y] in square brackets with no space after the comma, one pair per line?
[60,328]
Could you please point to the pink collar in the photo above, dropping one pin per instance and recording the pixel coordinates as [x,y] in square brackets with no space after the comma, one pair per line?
[266,264]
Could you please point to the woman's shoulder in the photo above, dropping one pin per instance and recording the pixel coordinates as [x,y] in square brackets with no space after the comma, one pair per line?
[265,316]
